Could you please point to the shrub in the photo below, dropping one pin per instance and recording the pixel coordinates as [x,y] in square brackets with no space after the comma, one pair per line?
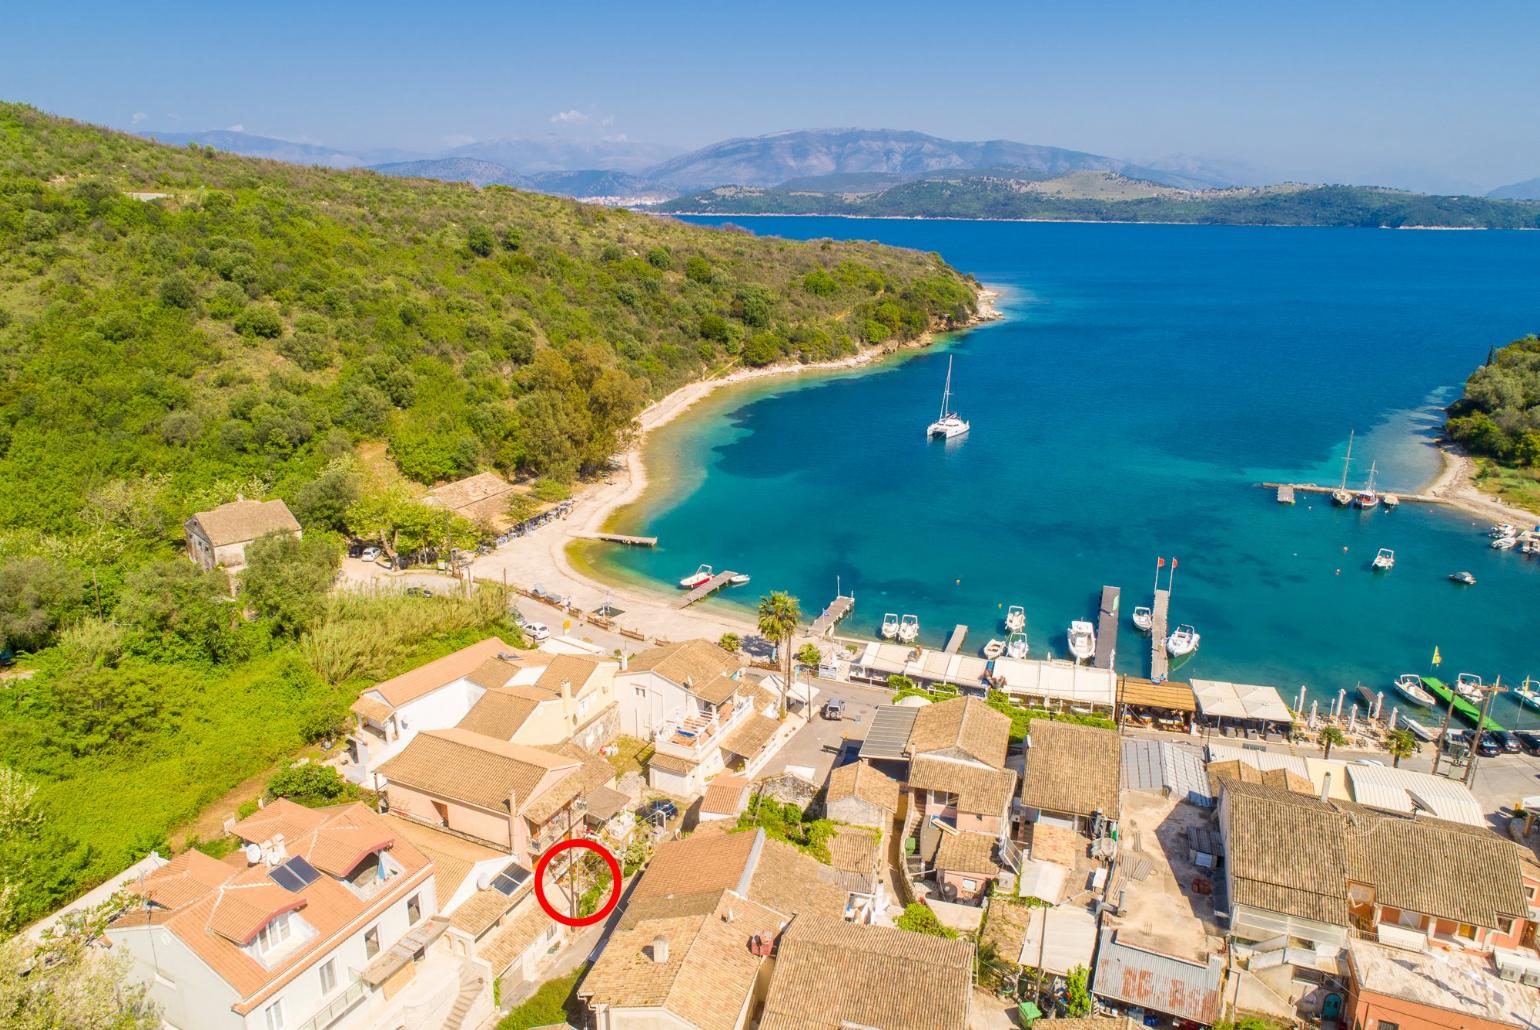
[479,239]
[311,785]
[917,918]
[698,270]
[259,320]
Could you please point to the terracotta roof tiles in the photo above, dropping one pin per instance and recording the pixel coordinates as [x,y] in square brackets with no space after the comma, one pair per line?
[963,724]
[474,769]
[1072,768]
[242,521]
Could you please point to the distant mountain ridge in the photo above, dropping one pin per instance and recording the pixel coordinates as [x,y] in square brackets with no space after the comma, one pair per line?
[1529,189]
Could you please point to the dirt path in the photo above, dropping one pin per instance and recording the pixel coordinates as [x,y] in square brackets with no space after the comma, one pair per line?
[1456,484]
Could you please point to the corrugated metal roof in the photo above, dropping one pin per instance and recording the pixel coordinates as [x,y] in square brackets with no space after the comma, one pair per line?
[889,735]
[1159,766]
[1069,941]
[1136,976]
[1401,790]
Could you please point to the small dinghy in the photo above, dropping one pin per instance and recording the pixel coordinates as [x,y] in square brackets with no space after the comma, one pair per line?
[994,649]
[1144,619]
[1183,641]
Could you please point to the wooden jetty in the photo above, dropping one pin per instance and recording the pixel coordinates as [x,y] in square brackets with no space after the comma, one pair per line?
[1158,658]
[620,538]
[1285,495]
[1107,628]
[838,608]
[706,589]
[1317,488]
[955,641]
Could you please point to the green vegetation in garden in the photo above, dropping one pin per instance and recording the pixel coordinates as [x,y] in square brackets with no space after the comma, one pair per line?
[918,918]
[312,785]
[789,823]
[553,1004]
[1109,198]
[1021,718]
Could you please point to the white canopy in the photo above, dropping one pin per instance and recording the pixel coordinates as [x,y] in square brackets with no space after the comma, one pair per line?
[1218,699]
[1058,681]
[1041,879]
[1059,939]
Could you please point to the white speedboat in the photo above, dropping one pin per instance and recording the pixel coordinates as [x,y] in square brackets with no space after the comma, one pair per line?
[949,424]
[1462,578]
[1505,543]
[1082,640]
[1502,529]
[1385,560]
[994,649]
[889,626]
[908,629]
[1527,693]
[1016,645]
[1410,686]
[1182,641]
[1144,618]
[1391,502]
[699,577]
[1015,619]
[1469,686]
[738,580]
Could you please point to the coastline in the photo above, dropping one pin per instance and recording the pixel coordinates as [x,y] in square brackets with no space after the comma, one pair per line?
[1086,221]
[1456,485]
[544,558]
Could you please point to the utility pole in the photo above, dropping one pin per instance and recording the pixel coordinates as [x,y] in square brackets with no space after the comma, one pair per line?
[1443,734]
[1481,728]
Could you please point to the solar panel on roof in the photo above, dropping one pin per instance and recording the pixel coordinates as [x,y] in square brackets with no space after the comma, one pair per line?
[294,875]
[510,879]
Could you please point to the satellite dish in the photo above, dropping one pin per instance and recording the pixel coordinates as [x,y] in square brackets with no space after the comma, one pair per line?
[253,854]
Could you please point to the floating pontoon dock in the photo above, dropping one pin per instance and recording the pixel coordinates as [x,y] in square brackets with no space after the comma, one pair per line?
[838,608]
[706,589]
[1107,629]
[1158,659]
[1469,711]
[955,641]
[1316,488]
[620,538]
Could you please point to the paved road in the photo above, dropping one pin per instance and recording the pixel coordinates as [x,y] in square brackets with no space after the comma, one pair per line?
[816,744]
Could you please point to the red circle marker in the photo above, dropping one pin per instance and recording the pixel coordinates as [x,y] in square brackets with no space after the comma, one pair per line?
[584,845]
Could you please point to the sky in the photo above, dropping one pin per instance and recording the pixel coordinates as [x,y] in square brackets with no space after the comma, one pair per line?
[1429,96]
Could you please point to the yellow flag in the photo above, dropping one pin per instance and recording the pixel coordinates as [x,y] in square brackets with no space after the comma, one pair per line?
[1437,658]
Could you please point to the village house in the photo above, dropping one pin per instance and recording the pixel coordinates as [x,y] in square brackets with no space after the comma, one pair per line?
[481,500]
[525,697]
[726,798]
[1072,777]
[218,538]
[512,797]
[703,716]
[860,794]
[1389,986]
[327,917]
[1317,872]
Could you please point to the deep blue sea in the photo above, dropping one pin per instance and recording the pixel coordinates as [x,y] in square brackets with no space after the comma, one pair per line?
[1144,379]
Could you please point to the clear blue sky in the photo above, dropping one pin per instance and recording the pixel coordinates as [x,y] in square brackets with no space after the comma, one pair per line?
[1428,95]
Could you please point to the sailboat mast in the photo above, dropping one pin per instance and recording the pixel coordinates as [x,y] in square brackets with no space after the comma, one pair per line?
[946,393]
[1346,461]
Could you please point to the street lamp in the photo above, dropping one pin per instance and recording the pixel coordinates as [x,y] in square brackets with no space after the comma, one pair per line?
[579,805]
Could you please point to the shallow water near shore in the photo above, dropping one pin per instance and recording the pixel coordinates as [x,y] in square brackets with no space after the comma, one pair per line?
[1144,379]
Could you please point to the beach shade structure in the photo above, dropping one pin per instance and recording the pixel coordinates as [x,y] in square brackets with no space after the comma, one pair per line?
[1299,706]
[1353,718]
[1395,713]
[1379,705]
[1314,706]
[1240,702]
[1341,700]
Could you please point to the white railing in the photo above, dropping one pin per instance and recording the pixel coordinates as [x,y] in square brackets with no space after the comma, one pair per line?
[338,1007]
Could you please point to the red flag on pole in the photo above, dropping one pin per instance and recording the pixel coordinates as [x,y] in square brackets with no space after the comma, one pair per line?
[1173,563]
[1160,563]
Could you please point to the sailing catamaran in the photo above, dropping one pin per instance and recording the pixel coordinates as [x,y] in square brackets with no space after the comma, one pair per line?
[1341,496]
[950,424]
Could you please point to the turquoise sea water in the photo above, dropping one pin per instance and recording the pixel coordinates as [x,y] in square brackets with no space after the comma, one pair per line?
[1146,376]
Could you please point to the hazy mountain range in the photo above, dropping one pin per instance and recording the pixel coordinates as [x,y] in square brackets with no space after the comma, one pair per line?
[823,161]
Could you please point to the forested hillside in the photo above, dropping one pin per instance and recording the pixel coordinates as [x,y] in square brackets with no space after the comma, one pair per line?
[1498,421]
[178,326]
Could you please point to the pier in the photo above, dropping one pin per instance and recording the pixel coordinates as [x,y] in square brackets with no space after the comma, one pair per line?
[955,641]
[620,538]
[1158,659]
[1317,488]
[838,608]
[706,589]
[1107,628]
[1285,495]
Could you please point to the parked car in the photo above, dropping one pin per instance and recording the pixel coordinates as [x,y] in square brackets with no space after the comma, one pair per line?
[1489,746]
[355,550]
[834,708]
[1529,740]
[660,810]
[370,553]
[537,631]
[1506,741]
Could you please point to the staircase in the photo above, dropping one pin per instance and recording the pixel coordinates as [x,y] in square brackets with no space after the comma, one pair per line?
[472,983]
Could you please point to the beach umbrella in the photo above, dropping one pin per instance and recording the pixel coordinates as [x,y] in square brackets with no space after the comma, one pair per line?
[1299,706]
[1353,718]
[1313,706]
[1379,704]
[1341,699]
[1395,713]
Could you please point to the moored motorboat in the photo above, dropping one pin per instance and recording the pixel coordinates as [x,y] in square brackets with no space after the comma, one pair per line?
[1367,498]
[994,649]
[1469,686]
[1015,619]
[699,577]
[1419,731]
[1391,502]
[1082,640]
[1016,645]
[889,626]
[1527,692]
[1462,578]
[908,629]
[1502,529]
[1144,618]
[737,580]
[1505,543]
[1410,686]
[1182,641]
[1385,560]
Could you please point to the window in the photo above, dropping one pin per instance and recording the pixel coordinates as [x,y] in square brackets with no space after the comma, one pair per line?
[1504,925]
[970,885]
[1386,1025]
[371,942]
[1466,931]
[413,909]
[274,933]
[274,1014]
[329,976]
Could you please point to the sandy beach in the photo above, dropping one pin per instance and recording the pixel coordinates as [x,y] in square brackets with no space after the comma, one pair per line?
[1456,485]
[541,558]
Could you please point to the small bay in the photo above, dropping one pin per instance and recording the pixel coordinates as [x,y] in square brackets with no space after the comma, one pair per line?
[1144,379]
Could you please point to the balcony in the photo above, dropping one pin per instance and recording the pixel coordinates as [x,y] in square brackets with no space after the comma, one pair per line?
[691,736]
[335,1009]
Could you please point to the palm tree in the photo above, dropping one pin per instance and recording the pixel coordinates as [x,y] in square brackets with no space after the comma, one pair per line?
[1329,736]
[778,615]
[1401,744]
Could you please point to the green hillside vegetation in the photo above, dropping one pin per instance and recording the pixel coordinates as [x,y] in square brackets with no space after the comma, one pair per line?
[1106,197]
[179,326]
[1497,420]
